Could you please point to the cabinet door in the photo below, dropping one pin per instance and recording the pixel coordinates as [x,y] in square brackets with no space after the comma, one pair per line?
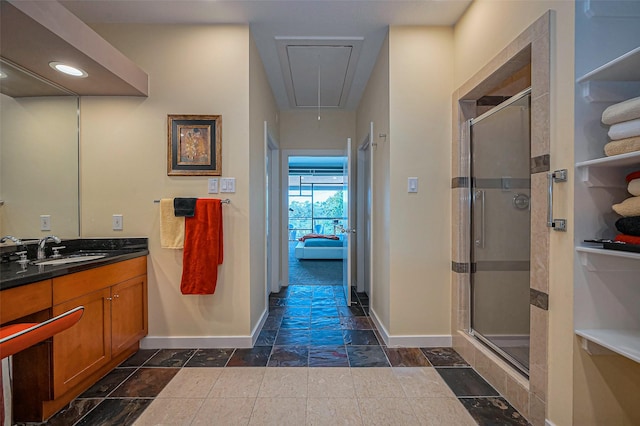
[85,347]
[128,313]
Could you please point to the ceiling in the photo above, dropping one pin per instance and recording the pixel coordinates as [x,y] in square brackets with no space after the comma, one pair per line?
[311,49]
[34,33]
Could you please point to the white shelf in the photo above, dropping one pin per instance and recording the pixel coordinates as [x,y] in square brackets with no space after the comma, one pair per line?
[623,342]
[606,252]
[598,259]
[621,160]
[623,68]
[608,172]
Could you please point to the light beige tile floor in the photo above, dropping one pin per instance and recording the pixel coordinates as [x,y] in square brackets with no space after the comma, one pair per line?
[311,396]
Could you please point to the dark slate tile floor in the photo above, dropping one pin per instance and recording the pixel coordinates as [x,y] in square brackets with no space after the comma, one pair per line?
[307,326]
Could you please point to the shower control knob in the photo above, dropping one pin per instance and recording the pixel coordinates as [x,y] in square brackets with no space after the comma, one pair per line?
[521,201]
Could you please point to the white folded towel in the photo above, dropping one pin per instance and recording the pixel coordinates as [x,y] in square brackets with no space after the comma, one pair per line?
[626,129]
[623,111]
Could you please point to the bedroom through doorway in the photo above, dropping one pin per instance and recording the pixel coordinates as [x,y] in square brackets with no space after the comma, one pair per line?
[315,212]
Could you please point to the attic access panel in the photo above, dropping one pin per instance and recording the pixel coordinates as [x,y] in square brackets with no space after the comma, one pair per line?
[323,65]
[299,58]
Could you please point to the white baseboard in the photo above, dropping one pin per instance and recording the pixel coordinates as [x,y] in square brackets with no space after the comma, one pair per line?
[383,331]
[411,341]
[256,330]
[548,423]
[204,342]
[195,342]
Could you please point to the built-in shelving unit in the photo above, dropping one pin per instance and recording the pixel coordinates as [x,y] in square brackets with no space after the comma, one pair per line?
[607,283]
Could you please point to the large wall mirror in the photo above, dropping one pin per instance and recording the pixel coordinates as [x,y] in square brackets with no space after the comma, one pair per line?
[39,156]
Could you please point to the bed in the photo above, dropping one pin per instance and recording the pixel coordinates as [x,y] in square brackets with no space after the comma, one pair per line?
[315,246]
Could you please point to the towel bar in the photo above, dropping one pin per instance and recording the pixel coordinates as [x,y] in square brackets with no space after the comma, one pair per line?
[225,201]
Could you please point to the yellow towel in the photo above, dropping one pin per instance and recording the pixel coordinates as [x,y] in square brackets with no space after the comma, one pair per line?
[623,111]
[628,208]
[622,146]
[171,227]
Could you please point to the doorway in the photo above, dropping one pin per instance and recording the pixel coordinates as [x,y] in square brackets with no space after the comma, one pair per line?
[315,219]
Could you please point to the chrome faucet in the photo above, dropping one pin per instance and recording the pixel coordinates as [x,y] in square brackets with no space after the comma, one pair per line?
[42,242]
[17,241]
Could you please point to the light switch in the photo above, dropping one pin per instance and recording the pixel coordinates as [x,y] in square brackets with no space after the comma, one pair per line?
[213,185]
[227,184]
[412,184]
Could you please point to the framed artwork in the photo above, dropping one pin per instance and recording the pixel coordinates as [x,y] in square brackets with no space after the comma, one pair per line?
[195,145]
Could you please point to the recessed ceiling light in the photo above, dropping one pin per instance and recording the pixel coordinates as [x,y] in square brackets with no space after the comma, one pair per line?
[3,75]
[68,69]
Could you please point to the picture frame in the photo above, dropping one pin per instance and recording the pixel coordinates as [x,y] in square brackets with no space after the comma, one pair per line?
[194,145]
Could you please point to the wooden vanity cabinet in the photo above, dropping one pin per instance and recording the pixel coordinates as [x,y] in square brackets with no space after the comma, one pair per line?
[114,320]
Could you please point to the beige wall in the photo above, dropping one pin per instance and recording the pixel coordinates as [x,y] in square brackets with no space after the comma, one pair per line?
[420,86]
[262,107]
[301,129]
[488,27]
[374,106]
[39,166]
[192,70]
[408,99]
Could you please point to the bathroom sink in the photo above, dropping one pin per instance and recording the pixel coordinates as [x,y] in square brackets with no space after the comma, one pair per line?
[69,259]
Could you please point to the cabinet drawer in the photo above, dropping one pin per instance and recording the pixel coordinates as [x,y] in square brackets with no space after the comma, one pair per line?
[75,285]
[25,300]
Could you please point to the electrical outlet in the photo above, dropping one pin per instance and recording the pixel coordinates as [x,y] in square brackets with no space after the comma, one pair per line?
[117,222]
[213,185]
[45,222]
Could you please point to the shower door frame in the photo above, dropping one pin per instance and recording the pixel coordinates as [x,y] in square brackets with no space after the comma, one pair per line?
[467,140]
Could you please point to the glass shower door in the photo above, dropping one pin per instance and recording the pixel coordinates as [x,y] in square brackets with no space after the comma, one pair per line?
[500,228]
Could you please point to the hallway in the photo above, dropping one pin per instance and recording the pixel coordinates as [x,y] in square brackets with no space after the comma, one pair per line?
[351,377]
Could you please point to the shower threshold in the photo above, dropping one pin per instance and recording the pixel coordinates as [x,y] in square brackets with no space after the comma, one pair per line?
[513,349]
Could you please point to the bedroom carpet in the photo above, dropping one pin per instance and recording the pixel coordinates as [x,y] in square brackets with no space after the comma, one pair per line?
[313,272]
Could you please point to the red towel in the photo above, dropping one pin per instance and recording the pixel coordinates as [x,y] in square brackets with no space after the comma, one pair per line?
[202,248]
[629,239]
[632,176]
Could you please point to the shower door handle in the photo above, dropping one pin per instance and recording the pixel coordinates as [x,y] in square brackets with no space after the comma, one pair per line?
[555,177]
[479,242]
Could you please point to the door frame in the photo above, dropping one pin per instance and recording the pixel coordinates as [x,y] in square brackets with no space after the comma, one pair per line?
[284,206]
[273,280]
[364,211]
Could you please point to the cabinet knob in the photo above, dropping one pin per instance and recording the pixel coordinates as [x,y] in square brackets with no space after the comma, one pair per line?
[108,298]
[115,296]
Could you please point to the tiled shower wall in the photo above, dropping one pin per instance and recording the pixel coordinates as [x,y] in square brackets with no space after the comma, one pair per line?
[531,47]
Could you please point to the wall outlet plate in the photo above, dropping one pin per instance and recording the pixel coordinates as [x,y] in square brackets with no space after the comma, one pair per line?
[45,222]
[117,222]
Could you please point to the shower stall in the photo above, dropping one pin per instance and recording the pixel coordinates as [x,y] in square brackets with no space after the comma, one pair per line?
[500,185]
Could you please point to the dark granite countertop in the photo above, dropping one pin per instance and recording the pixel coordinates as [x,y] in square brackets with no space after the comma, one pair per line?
[12,274]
